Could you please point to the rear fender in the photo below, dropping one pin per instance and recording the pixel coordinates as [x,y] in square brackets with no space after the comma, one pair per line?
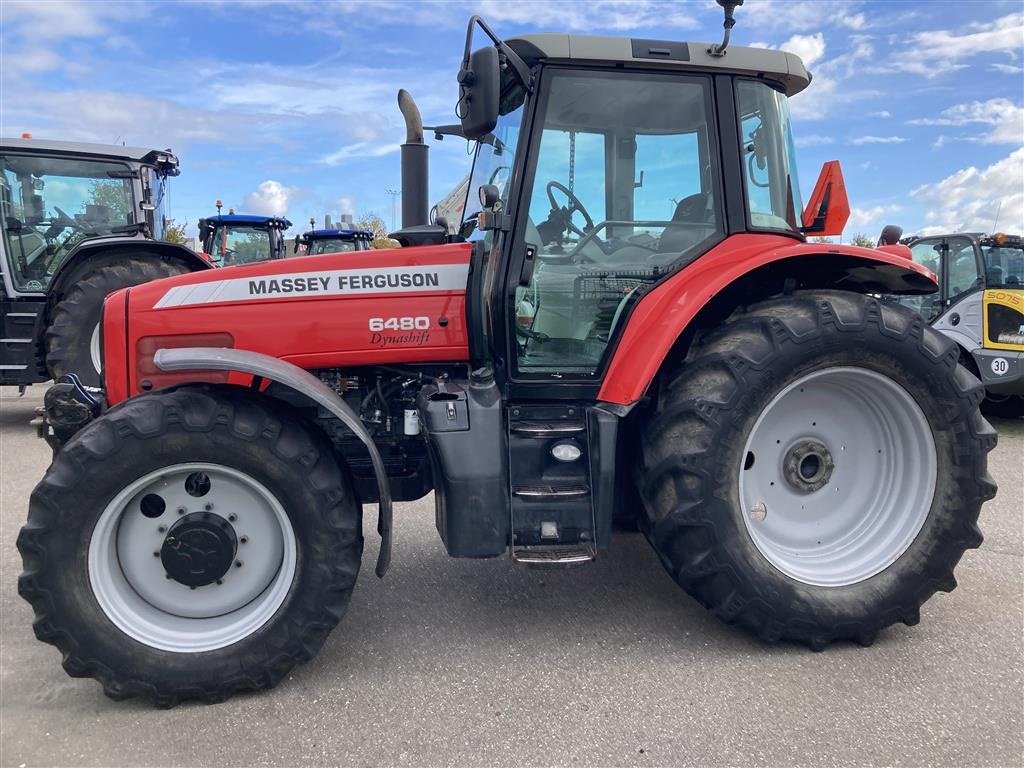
[738,271]
[305,383]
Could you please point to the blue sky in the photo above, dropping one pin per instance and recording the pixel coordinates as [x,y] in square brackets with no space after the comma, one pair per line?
[289,107]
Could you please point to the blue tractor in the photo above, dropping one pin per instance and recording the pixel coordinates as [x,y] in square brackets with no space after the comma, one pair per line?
[319,241]
[242,239]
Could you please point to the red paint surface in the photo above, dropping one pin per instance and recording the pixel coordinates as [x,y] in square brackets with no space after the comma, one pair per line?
[311,331]
[663,314]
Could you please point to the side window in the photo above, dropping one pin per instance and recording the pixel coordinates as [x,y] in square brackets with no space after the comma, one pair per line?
[670,164]
[927,253]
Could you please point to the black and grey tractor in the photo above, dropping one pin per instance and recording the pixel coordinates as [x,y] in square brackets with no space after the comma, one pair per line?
[79,221]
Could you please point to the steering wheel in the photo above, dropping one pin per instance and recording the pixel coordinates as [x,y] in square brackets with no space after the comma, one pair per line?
[574,206]
[59,223]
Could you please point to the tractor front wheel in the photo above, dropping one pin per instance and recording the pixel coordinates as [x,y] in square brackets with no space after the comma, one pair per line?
[191,544]
[814,470]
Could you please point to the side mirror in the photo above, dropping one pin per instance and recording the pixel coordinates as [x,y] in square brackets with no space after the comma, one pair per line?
[489,195]
[479,91]
[828,210]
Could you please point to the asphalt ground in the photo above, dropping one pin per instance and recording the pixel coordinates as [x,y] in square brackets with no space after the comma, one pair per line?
[462,662]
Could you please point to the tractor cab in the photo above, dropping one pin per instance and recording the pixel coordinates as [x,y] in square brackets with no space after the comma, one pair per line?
[320,241]
[603,165]
[233,238]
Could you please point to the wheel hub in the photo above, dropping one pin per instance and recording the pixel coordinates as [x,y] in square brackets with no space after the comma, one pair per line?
[808,466]
[199,549]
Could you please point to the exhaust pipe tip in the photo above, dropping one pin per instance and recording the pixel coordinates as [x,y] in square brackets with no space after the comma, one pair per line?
[413,119]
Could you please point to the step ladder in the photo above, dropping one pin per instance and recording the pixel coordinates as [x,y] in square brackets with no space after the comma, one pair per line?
[551,498]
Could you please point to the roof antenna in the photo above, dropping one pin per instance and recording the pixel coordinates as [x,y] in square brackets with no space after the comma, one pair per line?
[729,6]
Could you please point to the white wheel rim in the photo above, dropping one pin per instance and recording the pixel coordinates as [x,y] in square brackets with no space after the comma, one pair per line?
[132,586]
[94,349]
[870,505]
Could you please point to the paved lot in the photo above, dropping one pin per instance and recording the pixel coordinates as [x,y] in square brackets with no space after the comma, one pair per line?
[482,663]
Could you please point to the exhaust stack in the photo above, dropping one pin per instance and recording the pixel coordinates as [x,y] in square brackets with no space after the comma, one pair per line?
[415,167]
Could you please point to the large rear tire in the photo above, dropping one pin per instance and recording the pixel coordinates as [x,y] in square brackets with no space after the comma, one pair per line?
[814,470]
[191,544]
[72,338]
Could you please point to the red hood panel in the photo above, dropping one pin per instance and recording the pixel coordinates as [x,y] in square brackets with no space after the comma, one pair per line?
[345,310]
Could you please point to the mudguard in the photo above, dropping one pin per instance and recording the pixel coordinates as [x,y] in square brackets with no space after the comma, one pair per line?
[219,359]
[664,314]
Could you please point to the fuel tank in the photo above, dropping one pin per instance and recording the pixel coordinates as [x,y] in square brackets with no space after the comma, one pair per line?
[405,305]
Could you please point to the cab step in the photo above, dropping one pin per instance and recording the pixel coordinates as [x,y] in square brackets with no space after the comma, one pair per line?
[554,554]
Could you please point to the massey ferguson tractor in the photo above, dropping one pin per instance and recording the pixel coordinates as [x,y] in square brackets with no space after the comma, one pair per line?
[78,221]
[807,461]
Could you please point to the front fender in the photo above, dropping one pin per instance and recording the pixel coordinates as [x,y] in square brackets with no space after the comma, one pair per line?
[119,246]
[667,311]
[267,367]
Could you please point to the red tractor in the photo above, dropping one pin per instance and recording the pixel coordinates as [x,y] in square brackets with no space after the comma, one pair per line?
[807,460]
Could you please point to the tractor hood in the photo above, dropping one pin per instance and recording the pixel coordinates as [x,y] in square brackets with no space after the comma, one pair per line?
[333,311]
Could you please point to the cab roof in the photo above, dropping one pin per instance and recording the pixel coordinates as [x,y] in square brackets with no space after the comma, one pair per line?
[244,218]
[342,234]
[785,68]
[111,151]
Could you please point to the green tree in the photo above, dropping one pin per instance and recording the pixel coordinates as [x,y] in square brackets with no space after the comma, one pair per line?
[115,195]
[371,222]
[827,240]
[175,233]
[862,240]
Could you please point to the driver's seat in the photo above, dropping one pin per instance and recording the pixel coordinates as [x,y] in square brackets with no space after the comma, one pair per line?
[693,210]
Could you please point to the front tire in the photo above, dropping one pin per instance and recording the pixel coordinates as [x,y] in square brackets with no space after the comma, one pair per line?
[72,338]
[815,469]
[191,544]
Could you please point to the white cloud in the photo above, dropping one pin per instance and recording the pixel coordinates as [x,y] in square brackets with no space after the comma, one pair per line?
[870,220]
[270,198]
[359,149]
[1007,69]
[809,48]
[938,52]
[800,15]
[860,140]
[881,114]
[969,199]
[814,140]
[1005,117]
[346,204]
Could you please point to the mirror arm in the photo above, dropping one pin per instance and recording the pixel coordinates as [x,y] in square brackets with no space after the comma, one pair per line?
[522,72]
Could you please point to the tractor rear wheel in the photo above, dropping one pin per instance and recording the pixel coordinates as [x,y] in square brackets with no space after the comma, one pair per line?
[815,469]
[191,544]
[73,336]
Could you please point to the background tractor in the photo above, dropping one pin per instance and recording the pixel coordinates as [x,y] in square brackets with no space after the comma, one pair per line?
[980,306]
[317,242]
[78,221]
[233,238]
[807,460]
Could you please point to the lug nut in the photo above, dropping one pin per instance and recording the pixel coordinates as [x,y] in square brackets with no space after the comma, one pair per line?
[156,554]
[162,529]
[182,510]
[208,507]
[238,563]
[220,581]
[232,517]
[244,540]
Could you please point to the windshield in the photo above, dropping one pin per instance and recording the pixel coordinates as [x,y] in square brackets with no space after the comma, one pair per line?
[50,204]
[1004,266]
[334,245]
[230,245]
[769,167]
